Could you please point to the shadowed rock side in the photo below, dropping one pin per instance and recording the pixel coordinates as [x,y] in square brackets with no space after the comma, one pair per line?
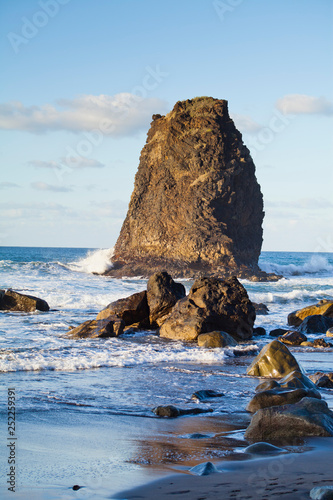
[196,208]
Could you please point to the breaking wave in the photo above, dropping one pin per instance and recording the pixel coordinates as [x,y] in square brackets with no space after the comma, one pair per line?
[95,262]
[316,264]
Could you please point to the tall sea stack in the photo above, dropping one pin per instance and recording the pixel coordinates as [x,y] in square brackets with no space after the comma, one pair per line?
[196,208]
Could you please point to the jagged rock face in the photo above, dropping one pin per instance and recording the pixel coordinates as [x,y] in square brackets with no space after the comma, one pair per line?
[196,206]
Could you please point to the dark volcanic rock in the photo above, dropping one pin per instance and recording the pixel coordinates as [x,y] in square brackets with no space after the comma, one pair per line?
[162,295]
[196,208]
[132,309]
[293,338]
[14,301]
[104,328]
[322,379]
[212,304]
[323,307]
[260,308]
[171,411]
[316,323]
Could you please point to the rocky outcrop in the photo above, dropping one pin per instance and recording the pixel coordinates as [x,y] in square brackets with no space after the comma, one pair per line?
[274,360]
[104,328]
[308,417]
[14,301]
[132,309]
[162,294]
[196,208]
[212,304]
[323,307]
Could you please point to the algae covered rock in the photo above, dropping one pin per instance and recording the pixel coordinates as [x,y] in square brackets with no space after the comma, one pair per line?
[274,360]
[196,208]
[308,417]
[216,339]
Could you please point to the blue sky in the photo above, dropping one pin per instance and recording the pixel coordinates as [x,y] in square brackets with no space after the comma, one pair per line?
[82,79]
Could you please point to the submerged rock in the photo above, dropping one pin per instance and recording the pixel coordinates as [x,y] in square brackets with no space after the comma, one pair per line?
[261,309]
[162,294]
[19,302]
[132,309]
[203,395]
[322,493]
[274,360]
[259,331]
[171,411]
[204,469]
[308,417]
[212,304]
[196,208]
[263,448]
[277,332]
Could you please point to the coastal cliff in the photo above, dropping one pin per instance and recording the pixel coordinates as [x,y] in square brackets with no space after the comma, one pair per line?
[196,208]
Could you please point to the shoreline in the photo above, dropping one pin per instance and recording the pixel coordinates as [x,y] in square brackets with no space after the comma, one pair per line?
[289,476]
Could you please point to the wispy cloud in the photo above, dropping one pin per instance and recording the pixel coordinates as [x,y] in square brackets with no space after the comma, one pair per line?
[120,114]
[76,162]
[246,124]
[8,185]
[303,203]
[299,104]
[43,186]
[37,211]
[114,208]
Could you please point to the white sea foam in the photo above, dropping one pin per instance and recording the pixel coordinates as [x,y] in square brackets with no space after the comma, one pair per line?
[297,295]
[97,261]
[316,264]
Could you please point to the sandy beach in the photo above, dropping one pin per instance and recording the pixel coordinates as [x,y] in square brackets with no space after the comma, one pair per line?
[289,476]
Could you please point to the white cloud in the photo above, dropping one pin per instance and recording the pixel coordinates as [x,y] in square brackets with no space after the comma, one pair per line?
[114,208]
[298,104]
[37,211]
[43,186]
[246,124]
[76,162]
[6,185]
[120,114]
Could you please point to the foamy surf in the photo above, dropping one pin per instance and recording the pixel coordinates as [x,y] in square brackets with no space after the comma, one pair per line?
[316,264]
[96,262]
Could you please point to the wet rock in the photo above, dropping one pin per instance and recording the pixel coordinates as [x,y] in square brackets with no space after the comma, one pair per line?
[277,332]
[204,469]
[324,308]
[259,331]
[76,487]
[196,208]
[19,302]
[203,395]
[132,309]
[216,339]
[293,338]
[267,385]
[322,493]
[279,396]
[296,380]
[321,379]
[249,350]
[308,417]
[329,332]
[260,309]
[318,343]
[171,411]
[274,360]
[162,294]
[263,449]
[212,304]
[315,324]
[110,327]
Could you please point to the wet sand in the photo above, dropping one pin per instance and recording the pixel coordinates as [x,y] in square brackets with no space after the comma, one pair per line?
[288,476]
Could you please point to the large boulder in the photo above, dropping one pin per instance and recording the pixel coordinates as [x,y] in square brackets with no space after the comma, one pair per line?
[216,339]
[212,304]
[104,328]
[274,360]
[132,309]
[196,208]
[315,324]
[162,294]
[324,308]
[279,396]
[14,301]
[308,417]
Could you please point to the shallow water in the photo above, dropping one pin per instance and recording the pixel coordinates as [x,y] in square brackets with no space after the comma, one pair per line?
[84,407]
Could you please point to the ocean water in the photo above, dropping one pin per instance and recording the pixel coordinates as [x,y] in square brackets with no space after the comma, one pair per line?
[84,407]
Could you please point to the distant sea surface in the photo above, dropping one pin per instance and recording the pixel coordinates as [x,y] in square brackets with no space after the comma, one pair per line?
[84,405]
